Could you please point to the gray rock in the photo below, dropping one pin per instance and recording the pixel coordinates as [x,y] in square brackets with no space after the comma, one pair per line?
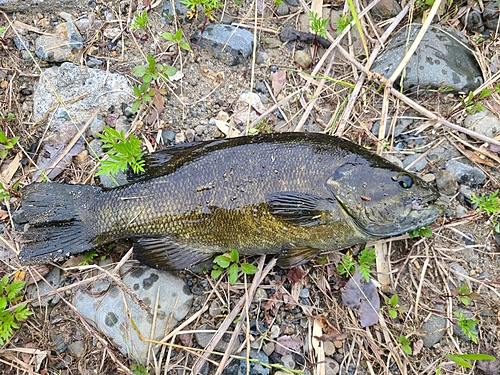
[490,15]
[302,58]
[282,9]
[268,348]
[458,276]
[40,288]
[181,11]
[116,180]
[288,361]
[261,58]
[466,174]
[385,9]
[446,182]
[122,124]
[473,21]
[71,81]
[109,312]
[402,124]
[95,148]
[293,3]
[443,153]
[484,122]
[237,41]
[443,57]
[255,367]
[65,45]
[332,367]
[204,334]
[97,126]
[411,158]
[21,43]
[457,330]
[168,136]
[434,327]
[76,349]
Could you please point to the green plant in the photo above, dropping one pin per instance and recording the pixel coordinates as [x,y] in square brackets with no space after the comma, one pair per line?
[421,232]
[471,105]
[4,193]
[464,295]
[232,263]
[6,142]
[122,153]
[463,359]
[318,24]
[139,369]
[405,344]
[149,73]
[10,293]
[490,204]
[89,258]
[393,306]
[366,260]
[468,326]
[343,21]
[177,39]
[208,6]
[140,20]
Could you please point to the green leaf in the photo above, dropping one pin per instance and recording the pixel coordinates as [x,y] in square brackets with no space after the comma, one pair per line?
[168,36]
[393,313]
[248,269]
[223,261]
[458,360]
[394,300]
[216,272]
[233,273]
[235,257]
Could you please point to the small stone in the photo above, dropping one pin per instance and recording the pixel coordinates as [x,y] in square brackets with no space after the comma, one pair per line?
[421,164]
[66,16]
[490,15]
[21,43]
[446,182]
[332,367]
[466,174]
[41,288]
[180,138]
[473,21]
[190,135]
[76,349]
[260,295]
[168,136]
[268,348]
[435,327]
[385,9]
[122,124]
[288,361]
[484,122]
[261,58]
[302,58]
[304,293]
[328,348]
[214,309]
[236,41]
[282,9]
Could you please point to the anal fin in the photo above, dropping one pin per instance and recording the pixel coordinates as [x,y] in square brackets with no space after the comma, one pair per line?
[294,256]
[166,253]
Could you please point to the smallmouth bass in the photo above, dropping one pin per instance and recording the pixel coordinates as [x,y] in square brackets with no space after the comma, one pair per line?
[291,194]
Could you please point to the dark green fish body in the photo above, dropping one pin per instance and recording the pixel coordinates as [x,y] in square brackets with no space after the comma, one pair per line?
[291,194]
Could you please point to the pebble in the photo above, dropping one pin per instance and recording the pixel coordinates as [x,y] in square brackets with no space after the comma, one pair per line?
[180,138]
[483,122]
[21,43]
[331,366]
[302,58]
[76,349]
[304,293]
[446,182]
[40,288]
[466,174]
[181,12]
[473,21]
[434,327]
[214,309]
[288,361]
[328,348]
[282,9]
[260,295]
[268,348]
[416,167]
[168,136]
[262,58]
[190,133]
[64,45]
[385,9]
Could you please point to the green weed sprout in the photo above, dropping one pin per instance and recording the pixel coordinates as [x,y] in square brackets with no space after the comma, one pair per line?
[10,293]
[177,39]
[232,263]
[318,24]
[405,345]
[393,306]
[6,143]
[343,21]
[140,20]
[122,152]
[366,260]
[421,232]
[468,326]
[209,6]
[490,204]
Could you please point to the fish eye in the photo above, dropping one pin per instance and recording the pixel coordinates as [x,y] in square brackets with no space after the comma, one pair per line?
[404,180]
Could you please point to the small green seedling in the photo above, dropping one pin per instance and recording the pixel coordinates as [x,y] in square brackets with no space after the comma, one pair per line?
[463,359]
[89,258]
[232,263]
[471,105]
[405,345]
[464,295]
[208,6]
[318,24]
[177,39]
[488,203]
[138,369]
[4,193]
[343,21]
[10,293]
[366,260]
[393,306]
[468,326]
[140,20]
[6,143]
[122,153]
[421,232]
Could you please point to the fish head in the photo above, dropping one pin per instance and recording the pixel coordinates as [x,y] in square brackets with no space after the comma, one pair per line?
[384,200]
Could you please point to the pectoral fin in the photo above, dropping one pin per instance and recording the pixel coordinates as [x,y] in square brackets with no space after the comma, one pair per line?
[293,256]
[299,208]
[165,253]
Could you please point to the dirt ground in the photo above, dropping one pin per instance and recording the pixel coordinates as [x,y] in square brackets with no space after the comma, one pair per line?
[419,271]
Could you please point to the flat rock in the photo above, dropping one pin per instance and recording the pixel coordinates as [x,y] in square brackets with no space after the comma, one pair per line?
[238,42]
[443,58]
[465,173]
[94,86]
[490,15]
[107,306]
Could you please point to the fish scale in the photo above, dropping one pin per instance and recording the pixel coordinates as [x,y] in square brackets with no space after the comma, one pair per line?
[291,194]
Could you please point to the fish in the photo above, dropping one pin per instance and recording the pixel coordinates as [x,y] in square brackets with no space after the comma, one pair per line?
[294,195]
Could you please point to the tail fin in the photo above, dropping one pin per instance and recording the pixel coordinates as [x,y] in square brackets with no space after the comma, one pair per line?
[58,221]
